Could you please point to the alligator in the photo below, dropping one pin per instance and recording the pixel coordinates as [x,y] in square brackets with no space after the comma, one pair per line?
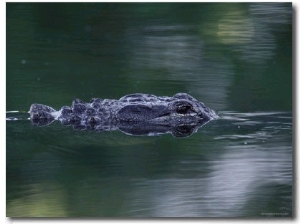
[134,114]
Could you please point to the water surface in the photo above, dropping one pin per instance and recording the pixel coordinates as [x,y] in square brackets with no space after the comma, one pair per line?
[236,58]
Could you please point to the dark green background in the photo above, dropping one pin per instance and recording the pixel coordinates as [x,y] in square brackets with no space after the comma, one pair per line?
[232,57]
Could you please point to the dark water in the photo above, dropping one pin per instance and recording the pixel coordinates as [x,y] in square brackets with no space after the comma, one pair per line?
[236,58]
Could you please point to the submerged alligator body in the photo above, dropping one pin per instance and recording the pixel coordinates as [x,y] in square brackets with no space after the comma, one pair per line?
[135,114]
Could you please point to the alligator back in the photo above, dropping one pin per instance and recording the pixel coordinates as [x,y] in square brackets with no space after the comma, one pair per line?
[134,110]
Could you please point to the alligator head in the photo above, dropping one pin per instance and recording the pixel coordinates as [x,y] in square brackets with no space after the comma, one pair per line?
[179,109]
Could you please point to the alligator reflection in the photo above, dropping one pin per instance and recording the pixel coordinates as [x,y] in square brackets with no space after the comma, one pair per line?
[134,114]
[133,128]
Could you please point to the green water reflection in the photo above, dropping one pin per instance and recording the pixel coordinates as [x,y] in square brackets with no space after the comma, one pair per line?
[236,58]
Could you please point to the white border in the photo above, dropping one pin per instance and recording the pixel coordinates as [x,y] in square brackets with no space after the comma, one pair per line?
[3,128]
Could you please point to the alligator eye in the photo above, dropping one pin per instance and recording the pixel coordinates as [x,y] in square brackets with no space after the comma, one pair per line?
[183,109]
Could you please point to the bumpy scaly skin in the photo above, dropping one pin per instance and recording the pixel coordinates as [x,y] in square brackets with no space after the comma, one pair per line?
[131,110]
